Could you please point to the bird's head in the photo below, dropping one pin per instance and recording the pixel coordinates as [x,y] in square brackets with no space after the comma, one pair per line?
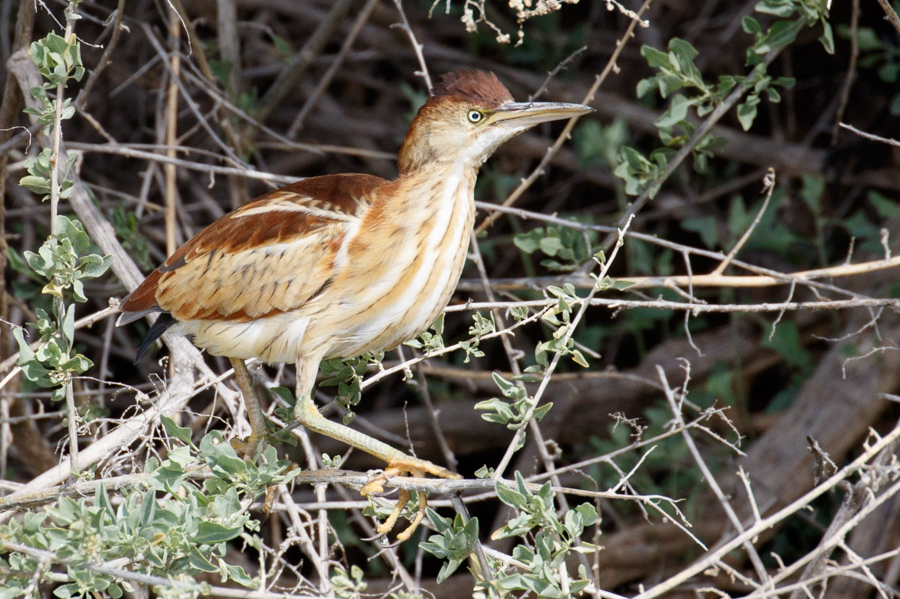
[468,116]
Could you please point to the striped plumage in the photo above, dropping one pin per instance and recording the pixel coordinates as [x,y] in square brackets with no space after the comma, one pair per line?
[343,264]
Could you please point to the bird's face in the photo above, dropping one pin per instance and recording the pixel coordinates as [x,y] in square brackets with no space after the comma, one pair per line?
[488,128]
[468,133]
[468,116]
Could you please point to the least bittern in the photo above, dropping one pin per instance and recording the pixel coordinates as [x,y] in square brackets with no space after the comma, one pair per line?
[338,265]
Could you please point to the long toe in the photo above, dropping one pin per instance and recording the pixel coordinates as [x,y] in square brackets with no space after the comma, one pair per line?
[420,515]
[410,466]
[388,525]
[246,448]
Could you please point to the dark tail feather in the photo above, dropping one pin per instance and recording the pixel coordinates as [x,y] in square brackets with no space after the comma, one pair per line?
[156,331]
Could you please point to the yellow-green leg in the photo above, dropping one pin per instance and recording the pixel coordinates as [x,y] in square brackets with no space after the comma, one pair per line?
[255,414]
[399,463]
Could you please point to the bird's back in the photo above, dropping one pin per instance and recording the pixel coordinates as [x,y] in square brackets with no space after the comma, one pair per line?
[268,258]
[329,266]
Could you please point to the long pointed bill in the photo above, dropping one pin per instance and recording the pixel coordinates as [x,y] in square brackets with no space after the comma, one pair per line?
[527,114]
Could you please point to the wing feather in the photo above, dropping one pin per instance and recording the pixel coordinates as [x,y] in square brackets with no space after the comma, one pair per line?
[270,256]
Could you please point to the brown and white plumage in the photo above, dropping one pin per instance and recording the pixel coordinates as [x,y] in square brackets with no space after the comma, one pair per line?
[343,264]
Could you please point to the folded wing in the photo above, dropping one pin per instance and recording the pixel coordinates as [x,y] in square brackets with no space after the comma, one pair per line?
[270,256]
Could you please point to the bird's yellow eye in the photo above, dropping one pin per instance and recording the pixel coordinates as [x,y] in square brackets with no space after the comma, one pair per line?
[475,116]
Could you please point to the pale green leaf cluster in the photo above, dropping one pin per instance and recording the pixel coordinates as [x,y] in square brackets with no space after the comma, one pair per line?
[551,540]
[432,340]
[512,413]
[58,60]
[560,316]
[454,541]
[348,586]
[678,77]
[174,527]
[481,326]
[347,375]
[566,247]
[63,263]
[38,178]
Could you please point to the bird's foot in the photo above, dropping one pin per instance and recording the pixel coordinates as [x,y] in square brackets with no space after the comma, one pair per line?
[264,433]
[405,467]
[246,447]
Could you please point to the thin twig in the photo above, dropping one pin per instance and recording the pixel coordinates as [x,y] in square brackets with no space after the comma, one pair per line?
[417,47]
[870,136]
[768,187]
[570,124]
[801,503]
[891,14]
[336,63]
[292,73]
[172,130]
[707,475]
[514,444]
[850,77]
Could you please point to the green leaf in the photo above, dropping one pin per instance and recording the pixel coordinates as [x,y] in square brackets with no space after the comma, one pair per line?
[541,411]
[69,324]
[751,26]
[683,49]
[786,341]
[866,38]
[37,184]
[196,559]
[236,573]
[551,245]
[780,35]
[779,9]
[77,364]
[812,191]
[746,114]
[644,86]
[529,242]
[669,84]
[441,524]
[181,433]
[827,37]
[73,230]
[447,569]
[501,413]
[210,533]
[11,591]
[887,208]
[148,508]
[284,393]
[94,265]
[676,113]
[509,496]
[655,58]
[506,387]
[101,500]
[26,354]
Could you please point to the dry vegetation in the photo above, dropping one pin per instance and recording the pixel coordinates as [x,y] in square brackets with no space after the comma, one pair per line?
[746,373]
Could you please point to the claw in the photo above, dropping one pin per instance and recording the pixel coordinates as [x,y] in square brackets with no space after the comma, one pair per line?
[388,525]
[413,468]
[246,448]
[375,484]
[420,515]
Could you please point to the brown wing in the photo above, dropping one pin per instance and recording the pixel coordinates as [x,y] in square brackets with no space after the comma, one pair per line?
[269,256]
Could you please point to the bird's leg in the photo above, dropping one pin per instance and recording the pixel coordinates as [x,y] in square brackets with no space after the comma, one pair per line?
[402,499]
[399,463]
[255,413]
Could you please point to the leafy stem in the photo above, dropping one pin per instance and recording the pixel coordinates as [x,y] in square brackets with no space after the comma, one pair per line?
[60,259]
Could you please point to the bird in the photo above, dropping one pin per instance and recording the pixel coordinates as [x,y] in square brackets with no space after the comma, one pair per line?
[342,264]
